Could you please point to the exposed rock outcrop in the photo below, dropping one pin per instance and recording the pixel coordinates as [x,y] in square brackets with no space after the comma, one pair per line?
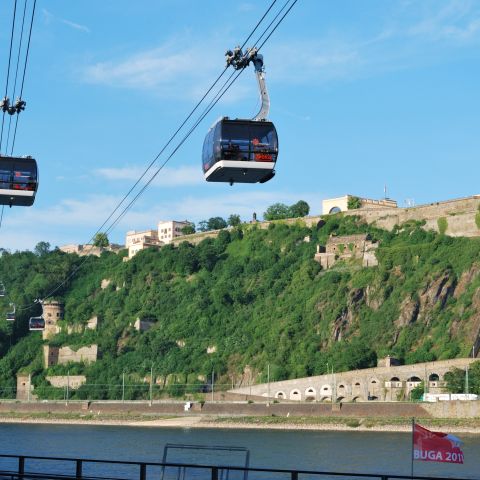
[436,294]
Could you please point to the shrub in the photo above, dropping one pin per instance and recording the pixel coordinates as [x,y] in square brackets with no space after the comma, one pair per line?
[442,225]
[354,203]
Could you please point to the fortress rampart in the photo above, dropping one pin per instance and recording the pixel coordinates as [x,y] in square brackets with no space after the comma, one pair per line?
[385,383]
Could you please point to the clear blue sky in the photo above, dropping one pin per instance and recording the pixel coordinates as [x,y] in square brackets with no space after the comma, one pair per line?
[363,94]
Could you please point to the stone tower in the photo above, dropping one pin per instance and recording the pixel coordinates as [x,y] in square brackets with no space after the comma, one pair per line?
[52,313]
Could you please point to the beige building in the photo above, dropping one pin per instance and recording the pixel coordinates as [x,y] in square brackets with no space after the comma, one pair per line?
[340,204]
[136,241]
[171,229]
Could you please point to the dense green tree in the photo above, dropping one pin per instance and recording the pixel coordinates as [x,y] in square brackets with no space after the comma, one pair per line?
[41,248]
[216,223]
[299,209]
[101,240]
[188,229]
[354,203]
[234,220]
[277,211]
[203,225]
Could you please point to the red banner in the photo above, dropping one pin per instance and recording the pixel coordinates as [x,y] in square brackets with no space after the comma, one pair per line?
[436,446]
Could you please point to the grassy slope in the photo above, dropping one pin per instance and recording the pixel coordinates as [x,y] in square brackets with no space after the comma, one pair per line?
[258,297]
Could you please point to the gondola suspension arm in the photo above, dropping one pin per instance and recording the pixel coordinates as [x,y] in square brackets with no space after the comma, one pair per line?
[239,60]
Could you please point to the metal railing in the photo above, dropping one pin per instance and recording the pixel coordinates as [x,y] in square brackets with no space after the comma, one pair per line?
[145,470]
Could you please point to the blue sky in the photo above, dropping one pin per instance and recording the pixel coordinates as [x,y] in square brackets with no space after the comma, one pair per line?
[363,94]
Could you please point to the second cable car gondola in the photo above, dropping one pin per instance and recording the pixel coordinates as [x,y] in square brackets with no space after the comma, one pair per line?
[240,150]
[11,315]
[36,323]
[18,181]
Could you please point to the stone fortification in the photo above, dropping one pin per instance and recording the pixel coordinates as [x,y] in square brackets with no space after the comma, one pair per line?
[347,247]
[389,382]
[25,388]
[61,355]
[72,381]
[52,313]
[459,215]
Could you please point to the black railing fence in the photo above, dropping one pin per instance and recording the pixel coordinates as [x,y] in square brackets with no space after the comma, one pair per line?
[22,467]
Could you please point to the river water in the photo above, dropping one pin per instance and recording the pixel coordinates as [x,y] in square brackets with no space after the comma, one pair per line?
[362,452]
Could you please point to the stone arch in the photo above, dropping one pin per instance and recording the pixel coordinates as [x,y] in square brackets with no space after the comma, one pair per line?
[414,379]
[281,395]
[295,395]
[340,399]
[434,377]
[335,210]
[394,379]
[310,393]
[326,390]
[325,399]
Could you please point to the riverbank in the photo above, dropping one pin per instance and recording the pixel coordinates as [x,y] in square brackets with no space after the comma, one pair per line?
[333,423]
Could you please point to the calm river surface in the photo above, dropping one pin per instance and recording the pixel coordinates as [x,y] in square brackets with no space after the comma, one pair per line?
[364,452]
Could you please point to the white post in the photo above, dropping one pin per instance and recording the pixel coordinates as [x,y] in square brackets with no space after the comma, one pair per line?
[466,380]
[151,384]
[213,383]
[29,386]
[268,384]
[123,387]
[68,385]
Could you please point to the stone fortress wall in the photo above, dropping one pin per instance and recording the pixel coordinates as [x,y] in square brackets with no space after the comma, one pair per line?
[459,215]
[61,355]
[387,382]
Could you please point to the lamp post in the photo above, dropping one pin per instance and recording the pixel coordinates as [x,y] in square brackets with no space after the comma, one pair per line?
[268,385]
[213,383]
[68,385]
[151,385]
[123,387]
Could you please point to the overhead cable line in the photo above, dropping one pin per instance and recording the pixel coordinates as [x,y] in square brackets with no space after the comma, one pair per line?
[152,163]
[8,70]
[16,69]
[205,113]
[217,97]
[24,71]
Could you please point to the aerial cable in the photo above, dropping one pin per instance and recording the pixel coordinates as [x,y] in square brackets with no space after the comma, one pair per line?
[203,115]
[8,71]
[24,71]
[199,120]
[16,69]
[207,110]
[125,210]
[152,163]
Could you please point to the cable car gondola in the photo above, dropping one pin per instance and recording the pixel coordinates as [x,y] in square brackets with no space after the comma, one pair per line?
[11,315]
[18,181]
[36,323]
[242,150]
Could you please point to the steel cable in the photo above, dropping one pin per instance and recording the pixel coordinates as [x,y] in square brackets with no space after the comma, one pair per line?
[8,68]
[24,70]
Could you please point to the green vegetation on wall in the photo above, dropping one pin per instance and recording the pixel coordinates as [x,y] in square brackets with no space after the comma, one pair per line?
[442,225]
[354,203]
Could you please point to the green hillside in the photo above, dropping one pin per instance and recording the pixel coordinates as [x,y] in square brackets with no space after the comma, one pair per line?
[255,295]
